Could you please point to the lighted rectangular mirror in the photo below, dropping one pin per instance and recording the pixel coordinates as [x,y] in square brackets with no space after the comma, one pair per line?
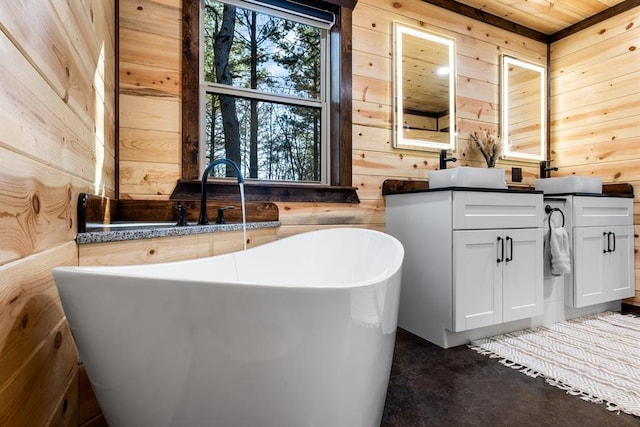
[523,109]
[424,89]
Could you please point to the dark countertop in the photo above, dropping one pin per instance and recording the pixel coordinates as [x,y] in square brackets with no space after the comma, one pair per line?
[548,196]
[472,189]
[149,231]
[400,186]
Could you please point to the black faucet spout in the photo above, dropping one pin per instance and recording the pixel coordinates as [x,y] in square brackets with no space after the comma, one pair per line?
[444,159]
[545,169]
[203,220]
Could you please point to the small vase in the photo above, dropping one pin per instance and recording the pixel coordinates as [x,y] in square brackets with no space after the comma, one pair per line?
[491,161]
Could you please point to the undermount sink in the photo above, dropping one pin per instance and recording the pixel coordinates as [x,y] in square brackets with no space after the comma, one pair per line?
[468,177]
[569,184]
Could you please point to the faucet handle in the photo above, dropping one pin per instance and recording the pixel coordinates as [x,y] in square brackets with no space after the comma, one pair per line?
[220,219]
[182,215]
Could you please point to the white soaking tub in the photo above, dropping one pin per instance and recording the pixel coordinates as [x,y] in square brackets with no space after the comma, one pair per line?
[297,332]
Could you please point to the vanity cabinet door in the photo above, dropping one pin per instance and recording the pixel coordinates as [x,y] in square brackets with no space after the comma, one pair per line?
[588,265]
[497,277]
[603,264]
[477,278]
[523,285]
[619,267]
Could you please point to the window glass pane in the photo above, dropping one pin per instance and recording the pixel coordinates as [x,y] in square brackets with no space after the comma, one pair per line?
[272,141]
[252,50]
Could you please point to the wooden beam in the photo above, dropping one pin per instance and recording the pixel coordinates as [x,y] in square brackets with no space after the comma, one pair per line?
[341,105]
[507,25]
[265,192]
[321,4]
[190,79]
[116,102]
[487,18]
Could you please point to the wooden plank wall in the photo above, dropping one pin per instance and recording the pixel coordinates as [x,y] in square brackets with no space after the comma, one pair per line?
[56,140]
[150,89]
[478,50]
[595,106]
[150,103]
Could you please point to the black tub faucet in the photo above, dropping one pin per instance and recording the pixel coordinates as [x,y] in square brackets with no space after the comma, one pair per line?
[545,169]
[444,159]
[203,220]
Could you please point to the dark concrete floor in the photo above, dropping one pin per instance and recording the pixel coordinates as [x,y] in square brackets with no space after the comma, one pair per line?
[430,386]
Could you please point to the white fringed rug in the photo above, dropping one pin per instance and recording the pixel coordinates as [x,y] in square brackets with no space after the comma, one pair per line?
[595,357]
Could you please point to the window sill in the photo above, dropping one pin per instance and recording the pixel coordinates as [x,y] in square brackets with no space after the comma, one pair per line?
[265,192]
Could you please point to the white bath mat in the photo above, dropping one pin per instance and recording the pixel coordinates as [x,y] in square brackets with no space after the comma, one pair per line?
[595,357]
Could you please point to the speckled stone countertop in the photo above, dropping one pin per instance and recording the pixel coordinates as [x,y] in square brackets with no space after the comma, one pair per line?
[132,231]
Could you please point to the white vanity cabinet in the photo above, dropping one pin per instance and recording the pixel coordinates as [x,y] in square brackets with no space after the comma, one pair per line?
[602,250]
[473,258]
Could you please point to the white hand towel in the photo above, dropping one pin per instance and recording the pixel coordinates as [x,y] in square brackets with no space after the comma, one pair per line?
[559,249]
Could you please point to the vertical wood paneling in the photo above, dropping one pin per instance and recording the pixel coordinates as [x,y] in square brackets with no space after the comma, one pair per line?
[594,103]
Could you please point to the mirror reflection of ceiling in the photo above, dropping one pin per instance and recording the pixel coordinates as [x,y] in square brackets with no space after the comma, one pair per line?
[425,76]
[545,16]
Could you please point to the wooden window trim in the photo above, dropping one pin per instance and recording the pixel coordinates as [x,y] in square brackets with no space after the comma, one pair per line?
[340,106]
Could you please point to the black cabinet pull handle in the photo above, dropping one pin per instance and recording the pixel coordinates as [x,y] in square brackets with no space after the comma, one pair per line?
[609,235]
[501,244]
[510,257]
[614,242]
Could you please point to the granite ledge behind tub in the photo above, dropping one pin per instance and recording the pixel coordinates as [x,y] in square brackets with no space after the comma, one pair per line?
[150,231]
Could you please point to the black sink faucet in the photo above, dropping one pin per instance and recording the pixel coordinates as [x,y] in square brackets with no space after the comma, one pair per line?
[444,159]
[545,169]
[202,220]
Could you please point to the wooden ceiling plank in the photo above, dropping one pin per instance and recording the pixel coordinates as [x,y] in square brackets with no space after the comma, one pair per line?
[541,20]
[586,23]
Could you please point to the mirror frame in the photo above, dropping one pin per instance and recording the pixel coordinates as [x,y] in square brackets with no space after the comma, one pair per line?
[399,141]
[508,61]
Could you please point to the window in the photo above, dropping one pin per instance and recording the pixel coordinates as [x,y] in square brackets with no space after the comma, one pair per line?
[264,86]
[291,140]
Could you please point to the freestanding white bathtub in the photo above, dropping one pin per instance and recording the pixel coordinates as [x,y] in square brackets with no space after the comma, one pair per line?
[298,332]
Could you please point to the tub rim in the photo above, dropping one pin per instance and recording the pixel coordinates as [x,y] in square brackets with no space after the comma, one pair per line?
[148,273]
